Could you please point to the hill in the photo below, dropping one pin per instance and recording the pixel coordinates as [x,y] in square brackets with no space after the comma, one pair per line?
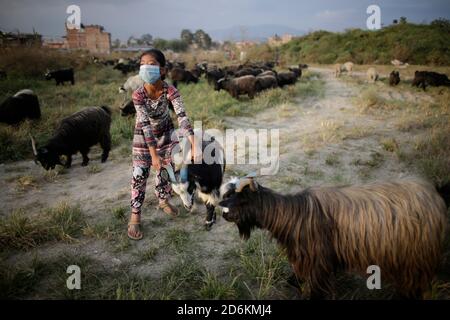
[412,43]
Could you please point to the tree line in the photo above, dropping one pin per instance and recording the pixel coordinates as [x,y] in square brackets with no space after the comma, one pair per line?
[199,39]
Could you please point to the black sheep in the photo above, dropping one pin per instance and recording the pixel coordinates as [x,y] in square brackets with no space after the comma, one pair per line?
[266,82]
[248,72]
[214,75]
[178,74]
[394,78]
[61,76]
[424,78]
[78,132]
[24,104]
[286,78]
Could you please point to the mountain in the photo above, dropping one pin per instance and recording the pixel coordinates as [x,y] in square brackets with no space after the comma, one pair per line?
[255,33]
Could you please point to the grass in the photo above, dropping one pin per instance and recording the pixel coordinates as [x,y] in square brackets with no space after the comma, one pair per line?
[94,168]
[371,102]
[390,145]
[177,239]
[149,254]
[21,232]
[209,106]
[427,149]
[96,85]
[263,263]
[213,288]
[412,43]
[111,229]
[332,159]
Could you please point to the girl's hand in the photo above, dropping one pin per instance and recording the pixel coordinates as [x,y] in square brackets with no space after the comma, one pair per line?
[156,162]
[196,158]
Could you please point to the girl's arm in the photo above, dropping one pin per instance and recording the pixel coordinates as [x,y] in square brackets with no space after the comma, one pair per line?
[183,121]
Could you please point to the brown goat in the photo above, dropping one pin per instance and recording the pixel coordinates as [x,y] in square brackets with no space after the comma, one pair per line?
[238,86]
[398,226]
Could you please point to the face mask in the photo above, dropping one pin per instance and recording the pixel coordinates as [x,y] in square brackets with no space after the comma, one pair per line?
[149,73]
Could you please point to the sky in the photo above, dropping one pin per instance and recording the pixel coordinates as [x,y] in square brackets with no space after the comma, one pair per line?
[166,18]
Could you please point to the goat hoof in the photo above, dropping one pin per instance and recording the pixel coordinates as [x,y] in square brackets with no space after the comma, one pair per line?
[208,225]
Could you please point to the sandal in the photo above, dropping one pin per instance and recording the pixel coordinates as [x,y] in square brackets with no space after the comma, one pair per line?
[168,209]
[128,232]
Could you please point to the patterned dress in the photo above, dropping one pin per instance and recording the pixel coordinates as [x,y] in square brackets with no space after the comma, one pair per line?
[154,127]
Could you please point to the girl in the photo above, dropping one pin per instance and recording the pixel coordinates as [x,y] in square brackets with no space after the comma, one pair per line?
[152,143]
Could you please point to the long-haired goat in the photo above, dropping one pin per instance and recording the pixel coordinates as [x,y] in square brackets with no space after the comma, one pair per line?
[398,226]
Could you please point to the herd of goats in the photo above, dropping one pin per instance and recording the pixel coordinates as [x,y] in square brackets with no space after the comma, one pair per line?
[322,229]
[421,79]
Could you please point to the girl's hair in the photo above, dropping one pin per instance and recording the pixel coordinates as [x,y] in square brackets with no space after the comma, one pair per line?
[157,54]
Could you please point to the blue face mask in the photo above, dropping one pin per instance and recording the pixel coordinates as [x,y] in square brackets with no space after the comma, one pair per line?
[149,73]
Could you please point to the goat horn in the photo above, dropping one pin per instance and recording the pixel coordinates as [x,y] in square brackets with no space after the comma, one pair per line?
[246,182]
[33,145]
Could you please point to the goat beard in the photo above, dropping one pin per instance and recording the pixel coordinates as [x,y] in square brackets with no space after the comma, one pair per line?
[244,230]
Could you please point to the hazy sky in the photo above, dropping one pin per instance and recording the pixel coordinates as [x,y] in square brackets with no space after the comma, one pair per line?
[166,18]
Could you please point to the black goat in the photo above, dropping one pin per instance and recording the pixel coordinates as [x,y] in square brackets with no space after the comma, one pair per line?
[78,132]
[24,104]
[61,76]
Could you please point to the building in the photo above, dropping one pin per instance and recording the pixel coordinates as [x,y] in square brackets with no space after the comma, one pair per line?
[89,37]
[9,39]
[242,45]
[276,40]
[52,43]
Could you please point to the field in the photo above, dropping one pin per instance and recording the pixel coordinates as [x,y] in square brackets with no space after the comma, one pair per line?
[332,132]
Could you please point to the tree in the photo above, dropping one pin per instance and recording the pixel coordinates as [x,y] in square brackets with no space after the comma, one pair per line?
[202,39]
[146,39]
[160,44]
[403,20]
[187,36]
[131,41]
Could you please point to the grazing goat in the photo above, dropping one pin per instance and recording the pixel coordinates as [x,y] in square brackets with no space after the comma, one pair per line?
[238,86]
[394,78]
[372,75]
[214,75]
[77,132]
[61,76]
[266,82]
[424,78]
[24,104]
[398,226]
[346,67]
[286,78]
[178,74]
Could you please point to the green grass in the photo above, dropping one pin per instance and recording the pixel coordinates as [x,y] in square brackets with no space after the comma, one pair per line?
[214,288]
[96,85]
[412,43]
[22,232]
[265,266]
[332,159]
[177,239]
[209,106]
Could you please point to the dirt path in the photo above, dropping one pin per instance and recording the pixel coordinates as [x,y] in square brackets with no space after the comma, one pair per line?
[327,140]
